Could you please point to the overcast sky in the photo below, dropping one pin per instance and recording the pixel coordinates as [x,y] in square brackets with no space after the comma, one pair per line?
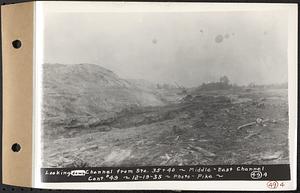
[188,48]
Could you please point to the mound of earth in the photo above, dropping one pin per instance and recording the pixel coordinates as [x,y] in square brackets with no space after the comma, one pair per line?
[78,93]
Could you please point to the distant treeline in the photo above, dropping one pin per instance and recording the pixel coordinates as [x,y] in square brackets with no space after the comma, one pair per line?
[224,83]
[275,86]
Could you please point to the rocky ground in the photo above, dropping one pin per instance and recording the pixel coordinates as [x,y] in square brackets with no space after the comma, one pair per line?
[235,126]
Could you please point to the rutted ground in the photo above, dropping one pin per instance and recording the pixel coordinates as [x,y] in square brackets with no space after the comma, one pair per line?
[202,128]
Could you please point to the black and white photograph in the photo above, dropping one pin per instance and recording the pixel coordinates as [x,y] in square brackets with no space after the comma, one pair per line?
[128,89]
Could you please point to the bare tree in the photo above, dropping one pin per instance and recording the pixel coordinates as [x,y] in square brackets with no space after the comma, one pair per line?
[224,80]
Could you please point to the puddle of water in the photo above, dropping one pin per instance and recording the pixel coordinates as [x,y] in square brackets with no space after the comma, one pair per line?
[117,156]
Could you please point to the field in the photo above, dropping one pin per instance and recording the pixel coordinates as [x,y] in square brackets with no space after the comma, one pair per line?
[228,126]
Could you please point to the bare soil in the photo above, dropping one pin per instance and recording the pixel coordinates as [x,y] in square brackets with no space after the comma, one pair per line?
[200,129]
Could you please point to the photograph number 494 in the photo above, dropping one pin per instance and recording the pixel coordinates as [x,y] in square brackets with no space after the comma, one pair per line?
[168,92]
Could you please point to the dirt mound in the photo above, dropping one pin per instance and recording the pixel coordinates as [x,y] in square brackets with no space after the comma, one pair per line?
[82,92]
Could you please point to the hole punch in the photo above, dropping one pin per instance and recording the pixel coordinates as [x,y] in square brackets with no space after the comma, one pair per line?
[16,147]
[17,44]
